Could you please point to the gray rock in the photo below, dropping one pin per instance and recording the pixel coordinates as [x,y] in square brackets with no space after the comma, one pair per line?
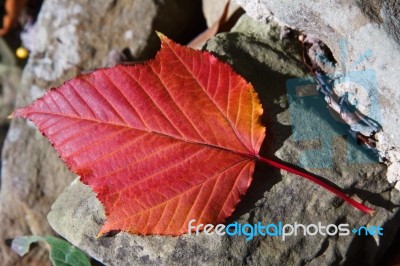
[255,51]
[364,25]
[70,37]
[10,76]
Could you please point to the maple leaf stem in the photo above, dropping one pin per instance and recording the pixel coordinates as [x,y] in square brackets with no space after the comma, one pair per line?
[335,191]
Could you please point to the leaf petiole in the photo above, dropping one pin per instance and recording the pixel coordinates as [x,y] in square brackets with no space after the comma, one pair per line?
[317,181]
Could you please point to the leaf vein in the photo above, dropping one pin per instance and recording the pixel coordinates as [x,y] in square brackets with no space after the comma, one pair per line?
[154,103]
[82,99]
[126,98]
[159,172]
[179,195]
[178,107]
[204,90]
[115,111]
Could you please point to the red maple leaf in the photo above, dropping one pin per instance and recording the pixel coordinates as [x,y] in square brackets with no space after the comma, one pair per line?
[161,143]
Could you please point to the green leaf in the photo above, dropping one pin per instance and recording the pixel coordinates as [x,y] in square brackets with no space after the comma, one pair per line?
[62,253]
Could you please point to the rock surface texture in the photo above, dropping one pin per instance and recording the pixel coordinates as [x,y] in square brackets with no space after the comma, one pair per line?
[371,31]
[71,37]
[256,51]
[10,76]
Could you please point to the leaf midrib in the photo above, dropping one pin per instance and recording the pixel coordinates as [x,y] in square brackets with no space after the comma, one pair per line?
[248,155]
